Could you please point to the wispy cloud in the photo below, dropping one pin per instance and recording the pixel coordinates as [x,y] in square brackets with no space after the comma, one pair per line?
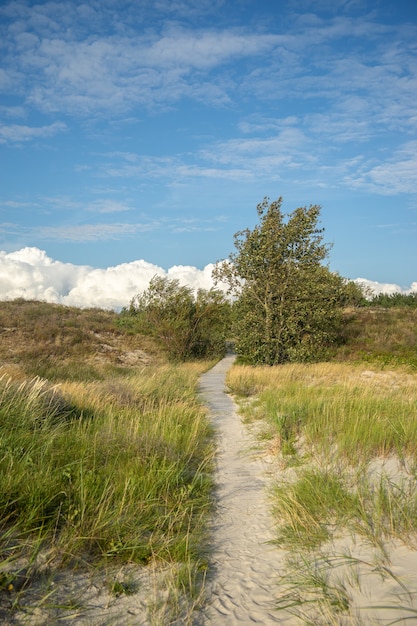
[84,232]
[119,70]
[396,175]
[16,133]
[105,205]
[61,66]
[93,232]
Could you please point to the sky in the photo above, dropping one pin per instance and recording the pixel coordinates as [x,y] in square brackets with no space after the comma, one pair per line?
[137,137]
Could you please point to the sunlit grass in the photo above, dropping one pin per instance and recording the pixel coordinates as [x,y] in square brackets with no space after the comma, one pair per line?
[363,413]
[345,438]
[107,471]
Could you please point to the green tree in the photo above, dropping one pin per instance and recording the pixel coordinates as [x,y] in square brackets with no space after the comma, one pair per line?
[396,299]
[287,305]
[188,326]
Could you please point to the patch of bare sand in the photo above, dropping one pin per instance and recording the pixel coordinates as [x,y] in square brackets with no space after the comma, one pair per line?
[124,596]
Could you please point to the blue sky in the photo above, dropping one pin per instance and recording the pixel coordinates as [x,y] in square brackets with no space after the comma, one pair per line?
[151,129]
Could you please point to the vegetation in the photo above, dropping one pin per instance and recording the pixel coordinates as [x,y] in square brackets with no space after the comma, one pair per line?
[188,326]
[288,304]
[345,437]
[58,343]
[111,469]
[379,335]
[392,300]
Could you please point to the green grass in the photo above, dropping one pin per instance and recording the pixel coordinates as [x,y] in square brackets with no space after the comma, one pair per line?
[102,463]
[99,479]
[345,437]
[311,507]
[362,413]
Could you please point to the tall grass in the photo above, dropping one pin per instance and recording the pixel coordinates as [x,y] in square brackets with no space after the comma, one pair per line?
[353,412]
[345,436]
[100,472]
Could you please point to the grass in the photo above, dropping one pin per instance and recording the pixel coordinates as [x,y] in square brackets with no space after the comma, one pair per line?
[60,343]
[363,412]
[311,506]
[110,468]
[384,336]
[106,459]
[344,434]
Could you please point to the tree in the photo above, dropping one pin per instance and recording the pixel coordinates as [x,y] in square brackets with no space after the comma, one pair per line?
[288,303]
[186,325]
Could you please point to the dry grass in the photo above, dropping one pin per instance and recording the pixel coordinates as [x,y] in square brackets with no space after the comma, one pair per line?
[344,436]
[65,343]
[105,459]
[387,337]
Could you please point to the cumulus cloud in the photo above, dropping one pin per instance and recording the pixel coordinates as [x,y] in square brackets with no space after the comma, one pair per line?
[376,288]
[30,274]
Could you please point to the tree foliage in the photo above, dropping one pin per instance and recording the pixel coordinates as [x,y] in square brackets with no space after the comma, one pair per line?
[188,326]
[393,300]
[287,302]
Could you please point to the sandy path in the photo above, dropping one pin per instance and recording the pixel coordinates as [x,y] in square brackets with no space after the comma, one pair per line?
[244,570]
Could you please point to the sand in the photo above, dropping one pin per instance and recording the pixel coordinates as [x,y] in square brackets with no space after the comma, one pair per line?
[242,583]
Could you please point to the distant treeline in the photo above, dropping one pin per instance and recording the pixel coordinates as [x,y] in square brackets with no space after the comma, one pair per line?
[393,299]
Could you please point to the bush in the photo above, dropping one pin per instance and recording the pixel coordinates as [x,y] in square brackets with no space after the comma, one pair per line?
[188,326]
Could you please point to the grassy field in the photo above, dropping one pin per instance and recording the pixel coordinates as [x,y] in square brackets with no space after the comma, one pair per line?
[344,438]
[105,453]
[106,459]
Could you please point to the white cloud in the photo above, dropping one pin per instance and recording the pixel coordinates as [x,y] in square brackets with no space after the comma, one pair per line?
[397,175]
[30,274]
[108,206]
[81,72]
[389,288]
[18,133]
[91,232]
[233,159]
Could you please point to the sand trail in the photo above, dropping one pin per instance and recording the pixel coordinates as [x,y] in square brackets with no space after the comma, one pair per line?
[244,565]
